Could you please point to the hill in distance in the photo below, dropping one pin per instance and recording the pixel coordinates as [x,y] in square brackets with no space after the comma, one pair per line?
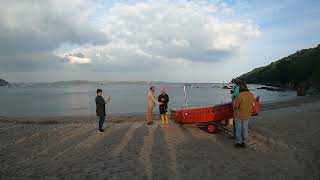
[301,69]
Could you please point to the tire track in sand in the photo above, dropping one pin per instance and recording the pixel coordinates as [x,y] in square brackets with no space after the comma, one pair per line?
[146,150]
[173,136]
[125,140]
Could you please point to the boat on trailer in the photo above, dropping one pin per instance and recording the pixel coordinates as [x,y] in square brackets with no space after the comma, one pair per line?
[210,117]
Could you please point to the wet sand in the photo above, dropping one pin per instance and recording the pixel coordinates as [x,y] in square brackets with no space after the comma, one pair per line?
[284,144]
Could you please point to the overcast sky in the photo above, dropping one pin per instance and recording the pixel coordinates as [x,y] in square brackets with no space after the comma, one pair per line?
[152,40]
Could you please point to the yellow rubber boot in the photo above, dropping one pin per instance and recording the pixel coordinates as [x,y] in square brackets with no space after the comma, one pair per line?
[167,119]
[162,119]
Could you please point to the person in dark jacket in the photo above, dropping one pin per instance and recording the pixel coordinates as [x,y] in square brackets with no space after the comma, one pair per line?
[164,99]
[101,108]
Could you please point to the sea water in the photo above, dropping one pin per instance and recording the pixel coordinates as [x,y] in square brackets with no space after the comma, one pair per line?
[73,99]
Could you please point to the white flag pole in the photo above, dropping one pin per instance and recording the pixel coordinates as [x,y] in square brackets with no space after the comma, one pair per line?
[185,95]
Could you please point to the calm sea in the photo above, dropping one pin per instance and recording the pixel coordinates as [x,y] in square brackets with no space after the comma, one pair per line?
[78,99]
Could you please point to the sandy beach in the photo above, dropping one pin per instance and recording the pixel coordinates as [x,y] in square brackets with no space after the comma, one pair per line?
[283,144]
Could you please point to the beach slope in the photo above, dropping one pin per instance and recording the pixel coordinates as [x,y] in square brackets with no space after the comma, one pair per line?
[284,144]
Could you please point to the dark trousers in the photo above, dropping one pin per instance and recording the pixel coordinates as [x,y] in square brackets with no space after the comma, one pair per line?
[101,121]
[163,109]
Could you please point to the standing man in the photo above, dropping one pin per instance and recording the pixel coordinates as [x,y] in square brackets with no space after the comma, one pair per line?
[151,103]
[164,98]
[242,108]
[101,109]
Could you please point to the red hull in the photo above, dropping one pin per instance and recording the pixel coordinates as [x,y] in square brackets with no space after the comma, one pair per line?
[208,114]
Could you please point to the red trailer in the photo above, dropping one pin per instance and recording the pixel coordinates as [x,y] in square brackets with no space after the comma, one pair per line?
[210,117]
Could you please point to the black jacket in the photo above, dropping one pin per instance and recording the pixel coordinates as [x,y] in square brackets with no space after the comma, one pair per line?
[100,106]
[165,101]
[163,107]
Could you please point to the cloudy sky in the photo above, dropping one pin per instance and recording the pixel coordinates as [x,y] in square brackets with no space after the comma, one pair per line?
[151,40]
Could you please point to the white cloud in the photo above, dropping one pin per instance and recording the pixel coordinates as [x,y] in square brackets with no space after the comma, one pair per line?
[77,58]
[152,32]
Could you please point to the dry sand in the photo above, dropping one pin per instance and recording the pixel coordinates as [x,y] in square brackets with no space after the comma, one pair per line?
[284,144]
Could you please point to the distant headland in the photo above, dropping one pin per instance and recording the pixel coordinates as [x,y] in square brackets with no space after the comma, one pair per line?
[4,83]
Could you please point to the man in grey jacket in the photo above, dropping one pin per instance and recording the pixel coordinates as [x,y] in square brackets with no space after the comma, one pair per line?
[101,108]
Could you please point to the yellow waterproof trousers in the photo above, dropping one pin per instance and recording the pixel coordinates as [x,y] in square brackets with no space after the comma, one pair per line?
[164,116]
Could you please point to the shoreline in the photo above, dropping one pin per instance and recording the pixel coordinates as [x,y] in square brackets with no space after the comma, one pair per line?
[298,101]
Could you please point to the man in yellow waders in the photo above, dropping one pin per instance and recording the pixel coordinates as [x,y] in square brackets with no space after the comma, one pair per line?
[164,99]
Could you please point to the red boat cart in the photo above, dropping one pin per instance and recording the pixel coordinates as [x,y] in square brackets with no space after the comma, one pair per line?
[210,117]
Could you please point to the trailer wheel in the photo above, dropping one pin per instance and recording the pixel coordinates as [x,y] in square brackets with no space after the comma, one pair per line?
[223,122]
[211,128]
